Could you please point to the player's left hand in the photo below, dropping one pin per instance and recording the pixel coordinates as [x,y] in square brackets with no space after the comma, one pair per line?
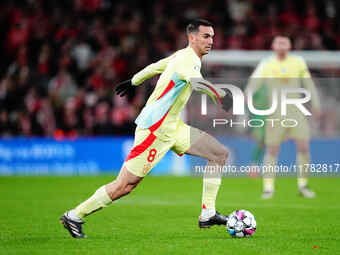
[124,87]
[227,101]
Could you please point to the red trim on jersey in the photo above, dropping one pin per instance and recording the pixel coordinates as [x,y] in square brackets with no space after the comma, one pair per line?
[167,89]
[140,148]
[155,126]
[215,92]
[143,146]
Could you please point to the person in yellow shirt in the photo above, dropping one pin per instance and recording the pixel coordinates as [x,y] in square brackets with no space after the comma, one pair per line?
[285,70]
[159,129]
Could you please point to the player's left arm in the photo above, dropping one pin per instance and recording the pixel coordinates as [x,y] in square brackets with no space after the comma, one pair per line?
[310,86]
[204,86]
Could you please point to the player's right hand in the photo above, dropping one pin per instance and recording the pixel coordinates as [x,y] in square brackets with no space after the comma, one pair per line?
[124,87]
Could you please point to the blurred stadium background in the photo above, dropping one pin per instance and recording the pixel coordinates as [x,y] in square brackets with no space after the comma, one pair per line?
[60,60]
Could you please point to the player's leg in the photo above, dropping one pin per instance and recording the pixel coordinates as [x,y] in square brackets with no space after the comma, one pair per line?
[301,136]
[273,138]
[146,153]
[216,154]
[303,160]
[195,142]
[258,133]
[123,185]
[269,162]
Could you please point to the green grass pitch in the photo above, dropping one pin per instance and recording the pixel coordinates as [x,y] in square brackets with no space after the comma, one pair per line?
[160,217]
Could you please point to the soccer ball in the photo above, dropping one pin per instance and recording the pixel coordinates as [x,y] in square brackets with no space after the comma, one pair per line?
[241,223]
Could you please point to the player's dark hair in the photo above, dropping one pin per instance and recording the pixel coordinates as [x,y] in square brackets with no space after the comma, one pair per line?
[194,25]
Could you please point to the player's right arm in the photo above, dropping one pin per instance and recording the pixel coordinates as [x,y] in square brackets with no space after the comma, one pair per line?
[188,69]
[146,73]
[150,71]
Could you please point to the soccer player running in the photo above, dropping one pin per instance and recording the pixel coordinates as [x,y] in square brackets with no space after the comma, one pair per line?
[285,70]
[159,129]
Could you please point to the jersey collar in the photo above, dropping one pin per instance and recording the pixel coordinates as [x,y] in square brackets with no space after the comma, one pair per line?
[194,53]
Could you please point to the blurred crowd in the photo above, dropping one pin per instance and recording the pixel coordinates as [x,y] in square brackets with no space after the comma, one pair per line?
[61,59]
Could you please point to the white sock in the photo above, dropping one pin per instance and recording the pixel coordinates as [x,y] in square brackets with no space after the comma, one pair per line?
[302,182]
[210,189]
[73,215]
[207,213]
[268,177]
[97,201]
[302,160]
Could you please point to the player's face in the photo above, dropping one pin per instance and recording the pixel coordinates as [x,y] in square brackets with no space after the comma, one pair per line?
[203,39]
[281,45]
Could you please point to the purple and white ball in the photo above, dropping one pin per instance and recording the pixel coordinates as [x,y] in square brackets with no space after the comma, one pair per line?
[241,223]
